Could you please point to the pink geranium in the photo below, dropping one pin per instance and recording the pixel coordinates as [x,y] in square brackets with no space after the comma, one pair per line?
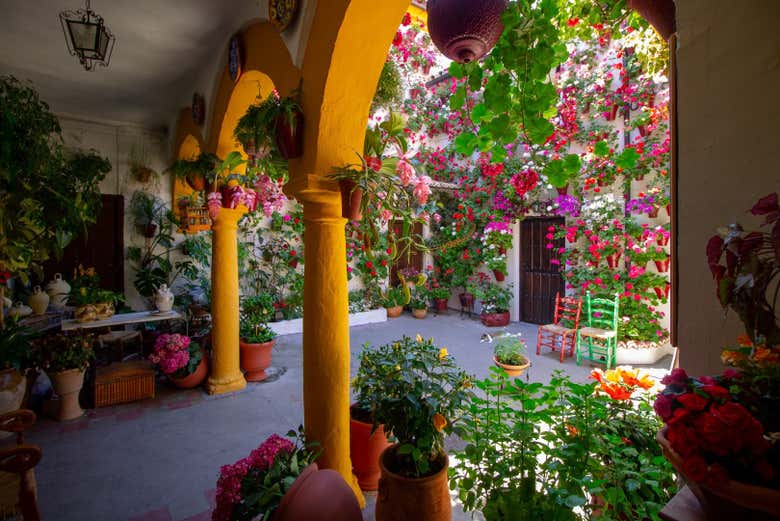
[171,352]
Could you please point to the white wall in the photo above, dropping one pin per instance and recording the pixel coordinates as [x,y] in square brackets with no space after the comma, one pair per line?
[728,114]
[115,141]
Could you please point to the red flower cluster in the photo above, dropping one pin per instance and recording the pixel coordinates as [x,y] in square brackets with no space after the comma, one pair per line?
[525,181]
[716,436]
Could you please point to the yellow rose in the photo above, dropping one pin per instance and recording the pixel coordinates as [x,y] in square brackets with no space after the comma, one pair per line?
[439,422]
[442,353]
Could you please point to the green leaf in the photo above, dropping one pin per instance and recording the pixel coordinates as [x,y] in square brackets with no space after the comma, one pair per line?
[466,143]
[601,149]
[627,158]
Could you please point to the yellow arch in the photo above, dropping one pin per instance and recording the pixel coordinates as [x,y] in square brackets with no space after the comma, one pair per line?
[251,86]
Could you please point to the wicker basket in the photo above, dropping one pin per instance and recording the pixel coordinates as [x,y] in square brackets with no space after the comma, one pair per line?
[124,382]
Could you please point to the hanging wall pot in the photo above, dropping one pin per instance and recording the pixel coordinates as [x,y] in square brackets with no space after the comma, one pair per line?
[465,30]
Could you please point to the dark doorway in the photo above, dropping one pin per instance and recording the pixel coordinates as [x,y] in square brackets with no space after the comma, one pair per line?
[540,280]
[101,247]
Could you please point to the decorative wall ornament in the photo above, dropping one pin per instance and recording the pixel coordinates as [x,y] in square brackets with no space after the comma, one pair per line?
[198,108]
[87,37]
[281,13]
[235,57]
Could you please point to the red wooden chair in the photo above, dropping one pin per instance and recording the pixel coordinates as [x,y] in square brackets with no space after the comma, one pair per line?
[562,333]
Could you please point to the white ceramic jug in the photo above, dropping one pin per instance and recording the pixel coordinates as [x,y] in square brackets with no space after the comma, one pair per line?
[163,298]
[58,290]
[38,301]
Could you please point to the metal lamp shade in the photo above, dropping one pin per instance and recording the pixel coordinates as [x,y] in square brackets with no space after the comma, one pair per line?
[465,30]
[87,37]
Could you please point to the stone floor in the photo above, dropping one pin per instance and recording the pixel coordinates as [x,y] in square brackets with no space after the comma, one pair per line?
[158,460]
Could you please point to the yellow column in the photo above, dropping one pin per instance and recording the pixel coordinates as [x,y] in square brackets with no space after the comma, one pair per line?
[226,373]
[326,396]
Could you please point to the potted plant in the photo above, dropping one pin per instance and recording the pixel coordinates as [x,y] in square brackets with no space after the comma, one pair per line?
[198,173]
[255,129]
[139,164]
[366,440]
[509,354]
[419,302]
[281,481]
[180,359]
[147,211]
[15,361]
[35,224]
[257,339]
[394,300]
[65,358]
[288,123]
[416,391]
[495,300]
[496,240]
[106,303]
[85,294]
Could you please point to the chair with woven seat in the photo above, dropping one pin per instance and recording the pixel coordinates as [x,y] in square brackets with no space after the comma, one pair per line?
[562,333]
[597,341]
[18,491]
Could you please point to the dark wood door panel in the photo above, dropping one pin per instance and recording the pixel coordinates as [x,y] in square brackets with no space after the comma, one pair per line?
[540,279]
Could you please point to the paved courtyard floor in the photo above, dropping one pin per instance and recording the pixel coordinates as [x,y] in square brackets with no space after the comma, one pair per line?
[158,460]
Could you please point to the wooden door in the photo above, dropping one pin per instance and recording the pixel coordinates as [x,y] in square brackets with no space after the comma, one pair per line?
[540,280]
[408,259]
[102,247]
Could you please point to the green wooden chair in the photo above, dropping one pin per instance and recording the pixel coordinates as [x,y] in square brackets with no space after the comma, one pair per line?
[597,341]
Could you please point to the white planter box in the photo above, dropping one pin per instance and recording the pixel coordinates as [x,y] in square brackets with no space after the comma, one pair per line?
[644,356]
[295,326]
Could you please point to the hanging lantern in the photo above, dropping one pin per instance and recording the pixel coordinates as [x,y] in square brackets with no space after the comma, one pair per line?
[87,37]
[465,30]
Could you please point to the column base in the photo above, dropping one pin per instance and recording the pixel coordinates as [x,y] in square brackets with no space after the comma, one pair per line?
[225,385]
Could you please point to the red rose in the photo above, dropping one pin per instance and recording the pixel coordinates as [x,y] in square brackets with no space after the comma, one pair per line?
[732,414]
[663,406]
[676,377]
[369,264]
[716,434]
[383,262]
[695,468]
[693,401]
[716,391]
[679,414]
[373,273]
[683,439]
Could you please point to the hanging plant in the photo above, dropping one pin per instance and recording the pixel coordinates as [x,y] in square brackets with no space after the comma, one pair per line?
[198,173]
[389,89]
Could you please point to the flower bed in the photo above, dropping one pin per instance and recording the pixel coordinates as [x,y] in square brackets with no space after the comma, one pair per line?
[634,352]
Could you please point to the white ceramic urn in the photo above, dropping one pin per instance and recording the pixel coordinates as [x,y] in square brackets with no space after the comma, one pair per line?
[38,301]
[163,299]
[58,290]
[19,310]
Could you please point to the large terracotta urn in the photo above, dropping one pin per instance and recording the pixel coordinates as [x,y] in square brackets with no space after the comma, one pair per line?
[67,384]
[318,495]
[465,30]
[365,449]
[402,498]
[255,359]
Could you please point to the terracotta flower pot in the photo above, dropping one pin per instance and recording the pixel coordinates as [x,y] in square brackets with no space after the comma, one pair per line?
[196,181]
[67,384]
[404,498]
[612,114]
[642,130]
[293,263]
[351,198]
[662,265]
[495,319]
[289,137]
[512,370]
[662,292]
[499,275]
[365,449]
[195,379]
[85,313]
[419,313]
[669,210]
[613,259]
[441,305]
[466,300]
[653,213]
[318,495]
[563,190]
[729,499]
[394,312]
[255,359]
[662,240]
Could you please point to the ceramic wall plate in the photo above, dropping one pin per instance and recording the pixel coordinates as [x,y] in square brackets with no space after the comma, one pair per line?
[281,13]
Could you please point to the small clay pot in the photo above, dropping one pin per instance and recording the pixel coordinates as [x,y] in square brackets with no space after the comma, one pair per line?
[196,378]
[419,313]
[255,359]
[394,312]
[512,370]
[441,305]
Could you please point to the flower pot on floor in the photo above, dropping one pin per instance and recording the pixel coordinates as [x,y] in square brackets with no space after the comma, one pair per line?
[400,497]
[441,305]
[67,384]
[13,385]
[495,319]
[728,499]
[394,312]
[318,495]
[419,313]
[196,378]
[365,449]
[512,370]
[255,359]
